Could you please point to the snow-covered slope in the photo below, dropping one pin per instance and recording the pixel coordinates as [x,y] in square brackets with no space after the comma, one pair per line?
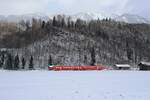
[2,18]
[128,18]
[92,16]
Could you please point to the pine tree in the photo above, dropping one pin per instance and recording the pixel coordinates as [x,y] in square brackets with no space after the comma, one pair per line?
[16,62]
[129,51]
[2,60]
[63,22]
[54,23]
[27,24]
[9,62]
[43,24]
[50,60]
[92,56]
[1,63]
[72,24]
[31,63]
[68,23]
[23,61]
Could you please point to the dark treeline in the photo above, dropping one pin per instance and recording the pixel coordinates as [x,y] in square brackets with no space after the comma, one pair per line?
[11,62]
[122,40]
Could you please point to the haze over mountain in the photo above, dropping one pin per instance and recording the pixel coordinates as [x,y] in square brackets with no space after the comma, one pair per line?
[26,17]
[128,18]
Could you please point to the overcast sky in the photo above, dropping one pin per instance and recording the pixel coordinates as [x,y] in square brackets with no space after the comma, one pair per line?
[139,7]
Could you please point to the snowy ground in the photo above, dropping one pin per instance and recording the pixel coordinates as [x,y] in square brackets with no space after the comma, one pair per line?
[90,85]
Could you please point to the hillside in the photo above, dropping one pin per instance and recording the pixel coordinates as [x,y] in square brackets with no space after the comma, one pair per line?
[97,42]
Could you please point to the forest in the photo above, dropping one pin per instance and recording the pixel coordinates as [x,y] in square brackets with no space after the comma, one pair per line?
[61,41]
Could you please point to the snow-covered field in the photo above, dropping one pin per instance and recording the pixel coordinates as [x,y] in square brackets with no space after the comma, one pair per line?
[88,85]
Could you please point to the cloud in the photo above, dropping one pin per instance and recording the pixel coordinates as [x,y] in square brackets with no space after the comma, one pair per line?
[74,6]
[22,6]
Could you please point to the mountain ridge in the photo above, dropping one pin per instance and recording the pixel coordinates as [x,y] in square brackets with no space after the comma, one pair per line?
[128,18]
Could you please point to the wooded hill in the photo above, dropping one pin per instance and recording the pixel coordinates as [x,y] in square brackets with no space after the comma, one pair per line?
[66,42]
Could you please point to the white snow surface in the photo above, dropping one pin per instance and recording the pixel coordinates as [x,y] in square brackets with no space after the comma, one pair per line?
[74,85]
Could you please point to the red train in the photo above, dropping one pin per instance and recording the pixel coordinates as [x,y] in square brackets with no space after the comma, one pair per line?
[59,68]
